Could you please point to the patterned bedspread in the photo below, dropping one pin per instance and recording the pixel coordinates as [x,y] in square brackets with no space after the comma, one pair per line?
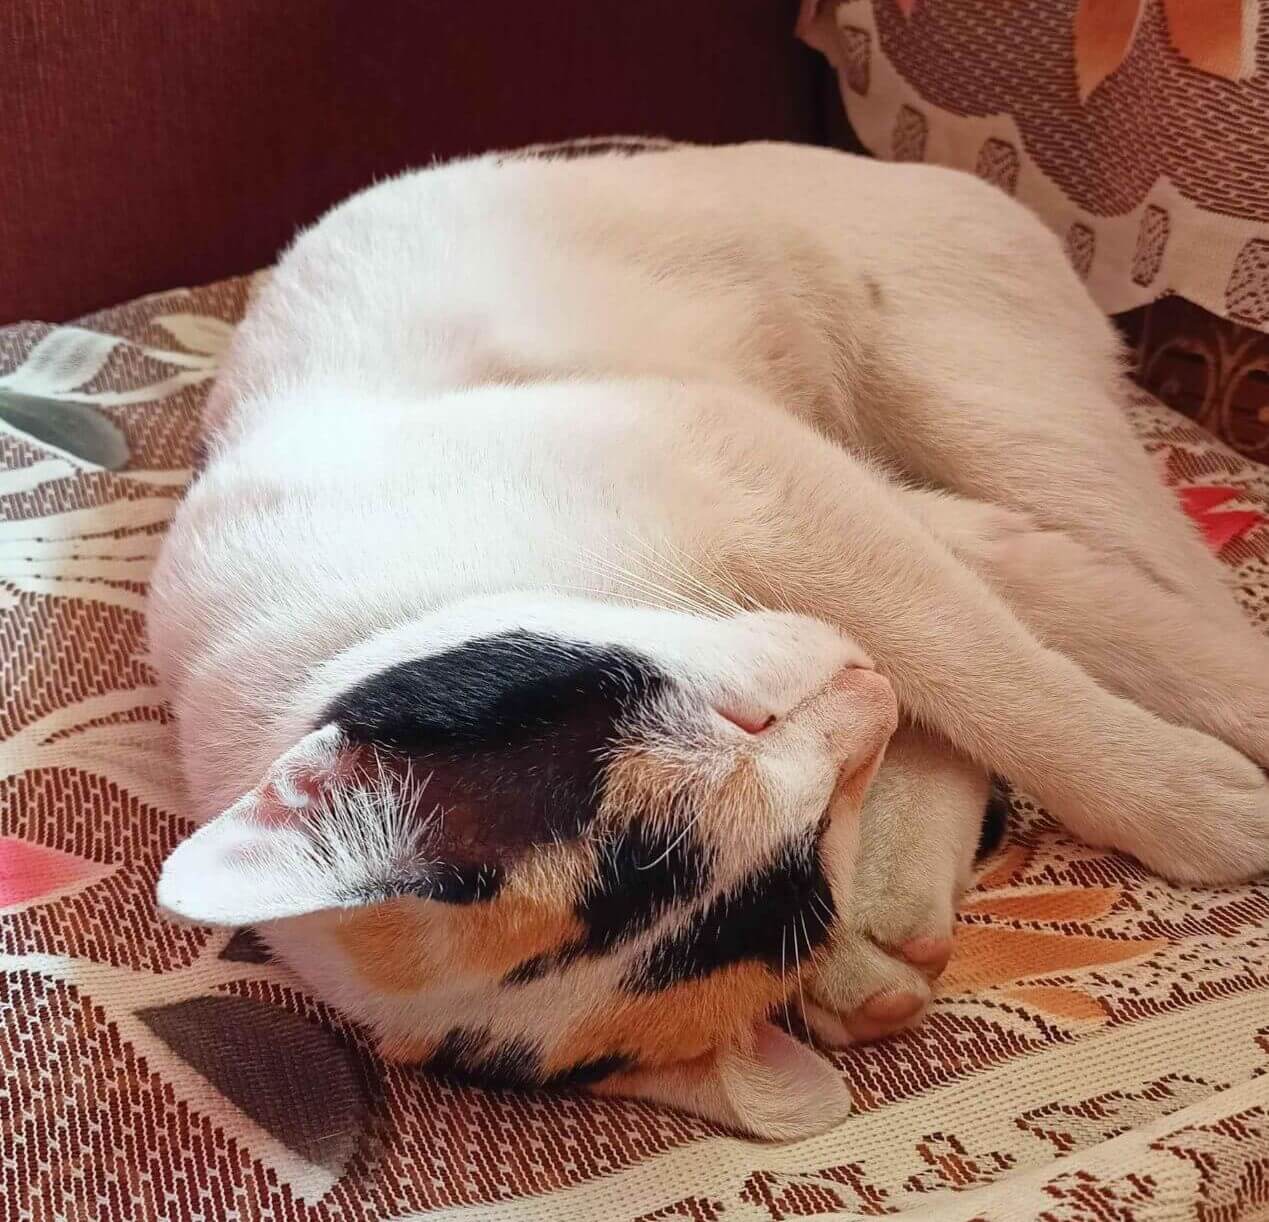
[1099,1049]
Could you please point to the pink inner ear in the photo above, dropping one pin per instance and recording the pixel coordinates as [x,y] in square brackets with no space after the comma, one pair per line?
[801,1066]
[270,810]
[853,786]
[319,763]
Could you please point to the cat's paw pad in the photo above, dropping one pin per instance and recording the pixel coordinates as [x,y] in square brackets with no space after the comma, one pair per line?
[930,955]
[864,991]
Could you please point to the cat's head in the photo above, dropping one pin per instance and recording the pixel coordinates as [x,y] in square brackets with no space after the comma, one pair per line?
[562,843]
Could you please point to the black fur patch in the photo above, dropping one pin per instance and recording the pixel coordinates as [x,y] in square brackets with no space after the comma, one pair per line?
[511,732]
[787,899]
[468,1054]
[641,873]
[995,821]
[457,884]
[534,968]
[493,692]
[584,1072]
[537,966]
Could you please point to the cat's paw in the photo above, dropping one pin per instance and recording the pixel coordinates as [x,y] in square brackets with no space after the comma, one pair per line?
[921,826]
[875,976]
[864,991]
[1241,717]
[1208,816]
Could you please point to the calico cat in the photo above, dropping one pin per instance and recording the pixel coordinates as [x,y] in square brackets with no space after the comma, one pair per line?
[574,536]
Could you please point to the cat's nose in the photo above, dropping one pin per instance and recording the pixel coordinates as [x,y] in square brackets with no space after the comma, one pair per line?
[749,720]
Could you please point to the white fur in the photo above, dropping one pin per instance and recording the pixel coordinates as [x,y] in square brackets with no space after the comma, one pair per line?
[635,399]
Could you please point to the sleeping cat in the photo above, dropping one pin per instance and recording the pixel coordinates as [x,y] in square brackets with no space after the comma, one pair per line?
[574,537]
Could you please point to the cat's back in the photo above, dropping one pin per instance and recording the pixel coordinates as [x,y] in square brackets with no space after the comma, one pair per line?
[494,270]
[690,263]
[685,263]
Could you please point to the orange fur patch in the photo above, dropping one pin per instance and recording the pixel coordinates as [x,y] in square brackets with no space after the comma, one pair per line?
[687,1022]
[405,945]
[495,937]
[654,779]
[387,945]
[552,875]
[644,780]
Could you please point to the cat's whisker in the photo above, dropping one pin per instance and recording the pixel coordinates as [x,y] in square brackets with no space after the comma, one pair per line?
[598,592]
[691,823]
[806,1022]
[669,595]
[784,937]
[824,905]
[733,598]
[674,566]
[771,598]
[665,597]
[699,589]
[668,576]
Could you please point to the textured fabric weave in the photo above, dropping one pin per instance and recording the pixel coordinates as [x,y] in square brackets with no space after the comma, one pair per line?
[1099,1048]
[1136,128]
[1213,370]
[147,143]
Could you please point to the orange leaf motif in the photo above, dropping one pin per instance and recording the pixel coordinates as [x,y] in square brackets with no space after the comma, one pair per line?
[987,955]
[1003,868]
[1062,904]
[1060,1002]
[1209,34]
[1104,30]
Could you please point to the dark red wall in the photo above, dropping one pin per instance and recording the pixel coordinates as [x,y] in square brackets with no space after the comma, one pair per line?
[146,144]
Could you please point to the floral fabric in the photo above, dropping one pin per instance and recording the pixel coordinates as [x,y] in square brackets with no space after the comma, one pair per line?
[1099,1048]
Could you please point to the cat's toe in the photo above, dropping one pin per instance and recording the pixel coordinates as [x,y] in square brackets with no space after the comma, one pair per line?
[929,955]
[873,991]
[885,1014]
[882,1014]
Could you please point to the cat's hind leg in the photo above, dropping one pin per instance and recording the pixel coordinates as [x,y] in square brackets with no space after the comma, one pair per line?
[964,665]
[993,374]
[1139,639]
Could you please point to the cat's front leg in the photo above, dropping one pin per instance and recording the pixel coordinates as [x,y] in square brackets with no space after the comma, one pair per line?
[965,666]
[919,829]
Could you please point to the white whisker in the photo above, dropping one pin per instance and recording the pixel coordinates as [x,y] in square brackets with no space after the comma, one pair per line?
[806,1022]
[784,936]
[691,823]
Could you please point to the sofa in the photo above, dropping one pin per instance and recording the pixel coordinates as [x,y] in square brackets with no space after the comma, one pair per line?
[1099,1045]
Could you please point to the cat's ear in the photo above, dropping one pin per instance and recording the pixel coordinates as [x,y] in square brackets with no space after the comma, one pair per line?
[776,1088]
[272,853]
